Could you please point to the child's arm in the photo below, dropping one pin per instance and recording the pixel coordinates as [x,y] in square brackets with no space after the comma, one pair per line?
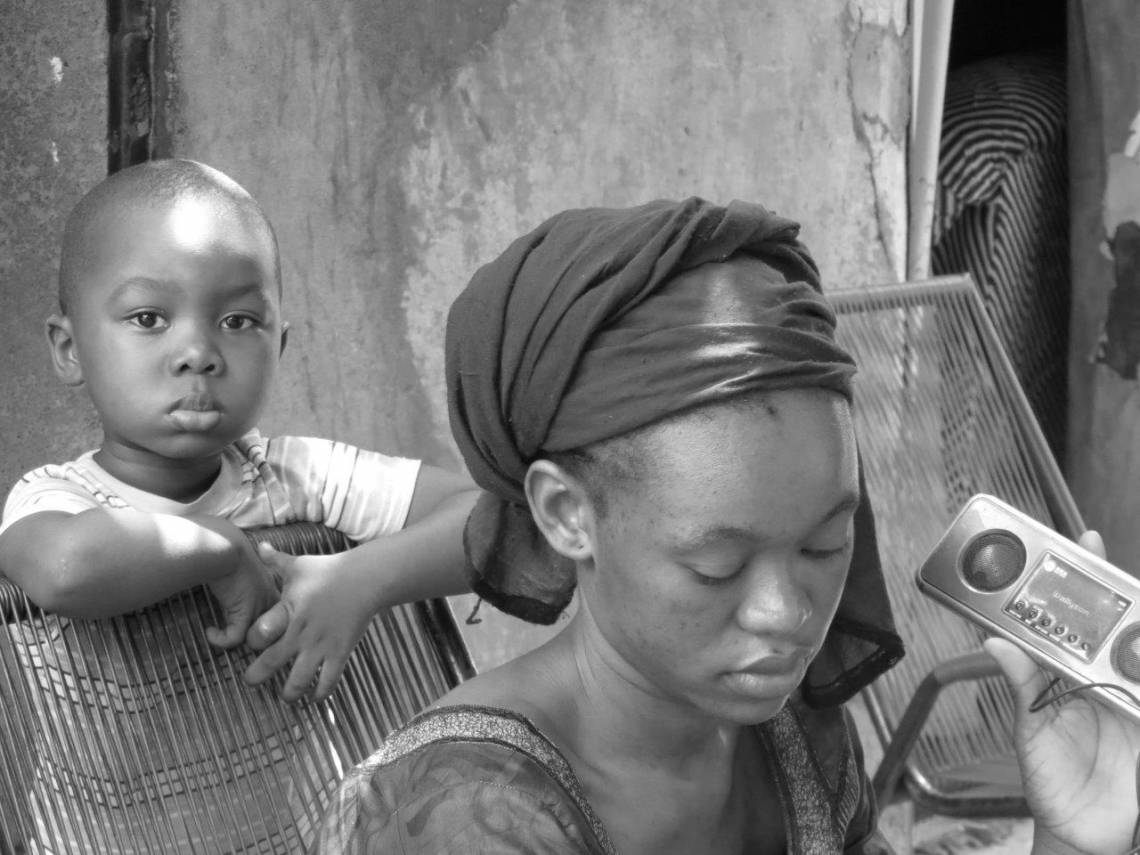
[329,600]
[102,562]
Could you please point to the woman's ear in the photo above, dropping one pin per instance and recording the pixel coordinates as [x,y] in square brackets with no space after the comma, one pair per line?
[64,357]
[561,509]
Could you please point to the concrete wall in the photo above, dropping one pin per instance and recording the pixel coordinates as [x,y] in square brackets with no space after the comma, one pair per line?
[1104,157]
[398,145]
[53,121]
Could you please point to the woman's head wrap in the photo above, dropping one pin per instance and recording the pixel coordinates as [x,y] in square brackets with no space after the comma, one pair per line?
[571,337]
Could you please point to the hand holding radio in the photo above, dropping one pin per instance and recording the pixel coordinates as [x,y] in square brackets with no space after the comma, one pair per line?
[1078,758]
[1058,605]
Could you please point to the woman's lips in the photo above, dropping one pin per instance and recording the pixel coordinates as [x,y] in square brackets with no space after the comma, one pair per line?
[771,677]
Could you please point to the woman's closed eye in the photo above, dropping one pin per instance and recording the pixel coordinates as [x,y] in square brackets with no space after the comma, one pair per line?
[705,579]
[831,540]
[715,571]
[822,553]
[723,572]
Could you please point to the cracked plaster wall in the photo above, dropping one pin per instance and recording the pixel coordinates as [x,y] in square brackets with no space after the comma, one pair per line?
[400,145]
[52,129]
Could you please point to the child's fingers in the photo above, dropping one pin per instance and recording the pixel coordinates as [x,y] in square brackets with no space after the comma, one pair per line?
[269,628]
[232,633]
[301,676]
[331,670]
[278,564]
[224,637]
[269,663]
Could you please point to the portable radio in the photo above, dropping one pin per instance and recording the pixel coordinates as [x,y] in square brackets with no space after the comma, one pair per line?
[1072,611]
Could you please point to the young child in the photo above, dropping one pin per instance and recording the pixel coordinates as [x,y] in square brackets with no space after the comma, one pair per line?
[170,317]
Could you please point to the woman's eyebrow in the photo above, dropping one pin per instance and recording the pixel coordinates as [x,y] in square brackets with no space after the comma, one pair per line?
[695,541]
[849,502]
[698,540]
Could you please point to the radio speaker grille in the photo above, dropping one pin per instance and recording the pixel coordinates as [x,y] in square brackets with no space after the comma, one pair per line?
[1126,655]
[992,560]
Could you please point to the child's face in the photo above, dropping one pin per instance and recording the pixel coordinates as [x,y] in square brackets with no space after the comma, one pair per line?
[175,330]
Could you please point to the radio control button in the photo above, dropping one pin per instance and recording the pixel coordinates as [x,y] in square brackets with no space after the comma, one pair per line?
[1074,638]
[1060,629]
[1045,620]
[1019,606]
[1034,612]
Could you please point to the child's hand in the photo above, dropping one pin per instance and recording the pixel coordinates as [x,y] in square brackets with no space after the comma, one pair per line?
[243,595]
[268,628]
[322,613]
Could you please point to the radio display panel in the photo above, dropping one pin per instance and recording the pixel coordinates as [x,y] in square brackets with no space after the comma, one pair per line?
[1067,605]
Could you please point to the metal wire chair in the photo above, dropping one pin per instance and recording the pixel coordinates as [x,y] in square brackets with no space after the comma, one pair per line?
[133,735]
[941,416]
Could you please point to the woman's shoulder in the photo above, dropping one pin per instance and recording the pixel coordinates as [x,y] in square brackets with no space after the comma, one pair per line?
[460,774]
[507,733]
[530,688]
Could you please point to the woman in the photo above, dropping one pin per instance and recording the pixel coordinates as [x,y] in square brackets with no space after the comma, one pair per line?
[655,403]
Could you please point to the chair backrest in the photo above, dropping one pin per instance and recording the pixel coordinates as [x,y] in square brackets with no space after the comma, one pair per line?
[940,416]
[133,735]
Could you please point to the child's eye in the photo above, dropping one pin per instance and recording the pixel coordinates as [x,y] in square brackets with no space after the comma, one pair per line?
[147,320]
[238,322]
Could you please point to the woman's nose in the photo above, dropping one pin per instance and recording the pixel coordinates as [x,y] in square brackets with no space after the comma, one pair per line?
[775,602]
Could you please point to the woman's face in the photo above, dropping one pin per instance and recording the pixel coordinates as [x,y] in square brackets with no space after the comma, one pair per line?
[716,574]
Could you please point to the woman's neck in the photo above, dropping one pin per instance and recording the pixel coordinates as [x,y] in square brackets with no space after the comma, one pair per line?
[622,715]
[663,776]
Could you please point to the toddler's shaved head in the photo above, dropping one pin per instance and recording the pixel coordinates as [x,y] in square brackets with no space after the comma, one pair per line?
[156,183]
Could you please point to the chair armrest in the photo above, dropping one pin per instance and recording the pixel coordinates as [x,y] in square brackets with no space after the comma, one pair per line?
[13,606]
[302,538]
[298,538]
[968,666]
